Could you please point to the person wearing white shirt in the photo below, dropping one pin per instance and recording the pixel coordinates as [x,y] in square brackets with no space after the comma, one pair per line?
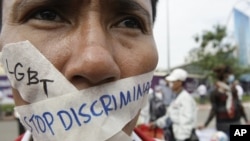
[202,91]
[182,112]
[239,89]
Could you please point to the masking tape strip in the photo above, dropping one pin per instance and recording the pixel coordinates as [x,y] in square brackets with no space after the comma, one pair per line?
[32,74]
[96,113]
[58,110]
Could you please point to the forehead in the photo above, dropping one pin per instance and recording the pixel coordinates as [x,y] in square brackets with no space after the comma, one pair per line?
[102,3]
[144,6]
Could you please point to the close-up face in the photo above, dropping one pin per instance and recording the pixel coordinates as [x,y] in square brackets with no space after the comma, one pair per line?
[98,43]
[90,42]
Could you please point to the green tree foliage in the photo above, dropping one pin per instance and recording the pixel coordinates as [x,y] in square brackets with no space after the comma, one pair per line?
[212,51]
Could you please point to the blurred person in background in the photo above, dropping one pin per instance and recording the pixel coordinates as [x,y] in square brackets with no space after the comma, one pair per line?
[239,89]
[167,93]
[180,119]
[202,92]
[226,106]
[157,107]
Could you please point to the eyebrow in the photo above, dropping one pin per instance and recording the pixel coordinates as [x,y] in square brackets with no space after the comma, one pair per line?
[19,5]
[120,5]
[23,3]
[131,5]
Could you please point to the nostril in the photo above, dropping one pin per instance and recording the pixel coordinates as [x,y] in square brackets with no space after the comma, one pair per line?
[81,82]
[110,79]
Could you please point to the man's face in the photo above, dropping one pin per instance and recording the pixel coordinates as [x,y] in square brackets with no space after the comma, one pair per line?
[175,85]
[90,42]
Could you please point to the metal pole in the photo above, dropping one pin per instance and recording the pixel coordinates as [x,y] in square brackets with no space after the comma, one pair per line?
[168,38]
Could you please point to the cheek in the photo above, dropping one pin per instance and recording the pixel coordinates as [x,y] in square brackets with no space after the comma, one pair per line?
[13,34]
[178,85]
[54,47]
[57,52]
[136,57]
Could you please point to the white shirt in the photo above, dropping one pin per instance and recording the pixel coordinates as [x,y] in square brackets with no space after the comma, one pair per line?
[202,90]
[239,91]
[183,112]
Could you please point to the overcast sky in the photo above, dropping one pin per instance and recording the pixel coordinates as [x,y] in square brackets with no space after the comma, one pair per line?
[186,19]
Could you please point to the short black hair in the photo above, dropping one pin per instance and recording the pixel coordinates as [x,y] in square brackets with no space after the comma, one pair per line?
[153,3]
[222,71]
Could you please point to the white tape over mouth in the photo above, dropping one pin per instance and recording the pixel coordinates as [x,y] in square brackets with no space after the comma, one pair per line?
[63,113]
[32,74]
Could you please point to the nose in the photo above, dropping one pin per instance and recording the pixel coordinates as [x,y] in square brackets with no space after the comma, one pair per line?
[92,61]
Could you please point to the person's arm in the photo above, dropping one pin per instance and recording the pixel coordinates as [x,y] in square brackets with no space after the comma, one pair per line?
[239,104]
[161,122]
[210,117]
[212,111]
[243,113]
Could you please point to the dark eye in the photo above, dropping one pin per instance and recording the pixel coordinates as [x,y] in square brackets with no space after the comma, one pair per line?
[130,23]
[47,15]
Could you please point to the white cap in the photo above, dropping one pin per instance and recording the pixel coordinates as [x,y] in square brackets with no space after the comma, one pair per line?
[177,74]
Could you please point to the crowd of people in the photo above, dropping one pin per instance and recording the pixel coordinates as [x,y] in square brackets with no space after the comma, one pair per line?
[179,121]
